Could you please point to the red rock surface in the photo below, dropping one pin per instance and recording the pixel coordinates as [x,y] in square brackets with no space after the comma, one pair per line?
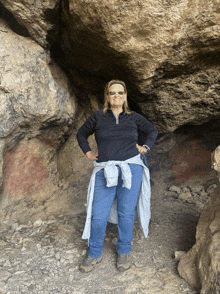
[25,171]
[190,161]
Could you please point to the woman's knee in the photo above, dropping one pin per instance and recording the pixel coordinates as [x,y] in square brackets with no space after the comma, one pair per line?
[126,214]
[100,216]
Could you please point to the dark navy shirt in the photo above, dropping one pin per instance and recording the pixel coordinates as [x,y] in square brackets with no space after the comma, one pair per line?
[116,137]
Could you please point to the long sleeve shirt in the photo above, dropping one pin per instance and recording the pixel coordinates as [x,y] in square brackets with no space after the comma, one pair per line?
[116,137]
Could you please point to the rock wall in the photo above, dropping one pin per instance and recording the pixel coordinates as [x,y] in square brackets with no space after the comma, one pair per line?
[36,116]
[40,18]
[200,266]
[166,51]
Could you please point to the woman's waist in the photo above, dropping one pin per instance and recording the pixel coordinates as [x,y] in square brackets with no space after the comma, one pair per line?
[134,159]
[122,155]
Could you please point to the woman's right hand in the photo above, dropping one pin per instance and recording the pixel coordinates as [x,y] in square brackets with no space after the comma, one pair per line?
[92,156]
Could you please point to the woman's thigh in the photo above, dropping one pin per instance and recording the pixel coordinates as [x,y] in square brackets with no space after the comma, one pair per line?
[127,198]
[103,197]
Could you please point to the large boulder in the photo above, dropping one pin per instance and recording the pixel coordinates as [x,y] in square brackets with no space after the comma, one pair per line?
[166,51]
[200,267]
[36,116]
[40,18]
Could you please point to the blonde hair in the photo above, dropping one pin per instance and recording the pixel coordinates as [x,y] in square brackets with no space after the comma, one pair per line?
[106,93]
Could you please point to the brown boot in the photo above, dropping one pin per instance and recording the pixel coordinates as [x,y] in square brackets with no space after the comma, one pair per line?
[88,264]
[123,262]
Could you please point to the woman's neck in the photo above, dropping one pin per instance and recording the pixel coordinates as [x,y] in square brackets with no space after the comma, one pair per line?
[117,110]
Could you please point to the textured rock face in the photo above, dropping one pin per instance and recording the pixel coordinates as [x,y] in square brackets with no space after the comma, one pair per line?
[200,267]
[40,18]
[36,114]
[166,51]
[168,54]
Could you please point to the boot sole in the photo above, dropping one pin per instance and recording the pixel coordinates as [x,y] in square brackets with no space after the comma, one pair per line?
[122,268]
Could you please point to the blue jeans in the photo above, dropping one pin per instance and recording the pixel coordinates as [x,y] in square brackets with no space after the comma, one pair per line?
[102,203]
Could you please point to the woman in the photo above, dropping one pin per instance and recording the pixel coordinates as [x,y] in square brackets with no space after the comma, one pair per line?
[120,184]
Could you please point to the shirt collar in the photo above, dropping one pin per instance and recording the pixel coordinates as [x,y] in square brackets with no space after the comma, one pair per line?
[110,111]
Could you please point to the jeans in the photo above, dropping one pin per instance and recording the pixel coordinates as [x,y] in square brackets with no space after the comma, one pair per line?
[102,202]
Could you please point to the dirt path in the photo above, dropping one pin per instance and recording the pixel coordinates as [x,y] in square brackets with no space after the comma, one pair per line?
[154,269]
[44,257]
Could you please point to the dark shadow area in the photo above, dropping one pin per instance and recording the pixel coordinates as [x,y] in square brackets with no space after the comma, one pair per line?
[185,225]
[89,61]
[12,22]
[207,133]
[53,16]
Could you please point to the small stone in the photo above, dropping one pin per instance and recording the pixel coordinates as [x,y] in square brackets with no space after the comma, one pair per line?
[186,197]
[175,189]
[3,288]
[52,221]
[19,273]
[15,226]
[38,246]
[38,223]
[71,278]
[211,189]
[170,194]
[4,275]
[29,261]
[7,264]
[70,256]
[30,224]
[202,193]
[179,255]
[185,190]
[197,189]
[200,206]
[84,252]
[3,259]
[58,255]
[2,243]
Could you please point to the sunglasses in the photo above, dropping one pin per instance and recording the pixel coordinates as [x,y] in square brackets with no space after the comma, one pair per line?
[119,93]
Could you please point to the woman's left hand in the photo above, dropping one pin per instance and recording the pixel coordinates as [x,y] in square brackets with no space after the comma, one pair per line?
[141,149]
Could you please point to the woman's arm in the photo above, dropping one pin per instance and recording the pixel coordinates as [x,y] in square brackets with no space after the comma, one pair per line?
[148,128]
[86,130]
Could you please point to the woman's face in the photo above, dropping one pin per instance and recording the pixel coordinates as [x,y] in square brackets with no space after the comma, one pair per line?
[117,95]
